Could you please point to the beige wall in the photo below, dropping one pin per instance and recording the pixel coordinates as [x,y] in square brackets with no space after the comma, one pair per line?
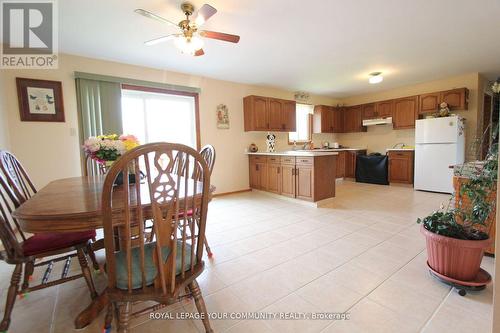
[49,151]
[4,129]
[379,138]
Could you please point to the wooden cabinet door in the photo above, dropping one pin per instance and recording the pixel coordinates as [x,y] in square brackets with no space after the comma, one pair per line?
[323,119]
[338,120]
[340,165]
[254,176]
[457,99]
[350,164]
[262,175]
[429,102]
[260,114]
[288,180]
[274,178]
[405,112]
[288,116]
[368,111]
[353,119]
[384,109]
[305,182]
[401,167]
[275,114]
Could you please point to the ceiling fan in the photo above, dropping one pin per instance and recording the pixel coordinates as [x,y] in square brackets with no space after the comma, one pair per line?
[189,41]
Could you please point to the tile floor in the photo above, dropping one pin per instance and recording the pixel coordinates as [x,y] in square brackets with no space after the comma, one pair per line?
[362,255]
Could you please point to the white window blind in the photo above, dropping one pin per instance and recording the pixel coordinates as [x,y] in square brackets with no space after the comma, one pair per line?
[159,117]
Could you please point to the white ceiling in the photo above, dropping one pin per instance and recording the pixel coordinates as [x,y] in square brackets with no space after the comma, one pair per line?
[325,47]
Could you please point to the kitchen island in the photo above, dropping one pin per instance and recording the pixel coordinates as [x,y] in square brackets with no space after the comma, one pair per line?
[304,175]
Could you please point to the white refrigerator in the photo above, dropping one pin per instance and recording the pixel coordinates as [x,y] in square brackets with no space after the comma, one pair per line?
[439,144]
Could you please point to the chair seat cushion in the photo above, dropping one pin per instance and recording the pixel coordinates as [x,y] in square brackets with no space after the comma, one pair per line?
[45,242]
[149,264]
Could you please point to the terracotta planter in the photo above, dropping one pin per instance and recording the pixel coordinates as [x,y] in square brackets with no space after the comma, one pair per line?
[456,258]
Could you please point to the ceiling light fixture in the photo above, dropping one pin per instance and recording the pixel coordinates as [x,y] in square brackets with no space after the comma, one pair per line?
[375,77]
[188,45]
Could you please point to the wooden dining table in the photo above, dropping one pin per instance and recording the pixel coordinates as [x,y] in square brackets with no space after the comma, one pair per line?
[74,204]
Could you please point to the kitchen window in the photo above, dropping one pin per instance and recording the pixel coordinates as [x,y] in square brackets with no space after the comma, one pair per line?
[303,120]
[158,115]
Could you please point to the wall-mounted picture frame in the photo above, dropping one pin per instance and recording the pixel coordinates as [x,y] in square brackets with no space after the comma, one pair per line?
[40,100]
[222,117]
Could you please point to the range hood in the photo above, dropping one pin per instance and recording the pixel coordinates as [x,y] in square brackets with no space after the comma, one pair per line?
[379,121]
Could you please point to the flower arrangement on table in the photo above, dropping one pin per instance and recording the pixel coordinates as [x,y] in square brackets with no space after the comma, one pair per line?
[106,149]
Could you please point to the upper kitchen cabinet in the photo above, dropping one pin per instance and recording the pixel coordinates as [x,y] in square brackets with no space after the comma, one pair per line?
[327,119]
[369,111]
[384,109]
[457,99]
[323,119]
[269,114]
[405,111]
[353,119]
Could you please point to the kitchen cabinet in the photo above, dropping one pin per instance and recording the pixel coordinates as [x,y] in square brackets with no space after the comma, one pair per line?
[341,164]
[384,109]
[274,174]
[310,178]
[350,162]
[327,119]
[258,172]
[353,119]
[401,166]
[288,180]
[369,111]
[405,112]
[457,99]
[268,114]
[305,178]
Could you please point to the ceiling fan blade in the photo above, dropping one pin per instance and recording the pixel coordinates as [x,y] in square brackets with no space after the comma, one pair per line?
[199,52]
[206,11]
[220,36]
[148,14]
[160,39]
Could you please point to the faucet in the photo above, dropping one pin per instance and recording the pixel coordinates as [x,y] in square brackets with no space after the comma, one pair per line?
[304,147]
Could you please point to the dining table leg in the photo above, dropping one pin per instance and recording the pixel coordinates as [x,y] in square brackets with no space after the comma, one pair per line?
[92,311]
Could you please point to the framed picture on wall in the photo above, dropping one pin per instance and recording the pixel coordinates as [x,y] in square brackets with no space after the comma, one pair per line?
[40,100]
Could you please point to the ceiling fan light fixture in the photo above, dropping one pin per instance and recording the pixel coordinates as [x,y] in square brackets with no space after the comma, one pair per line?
[375,77]
[189,45]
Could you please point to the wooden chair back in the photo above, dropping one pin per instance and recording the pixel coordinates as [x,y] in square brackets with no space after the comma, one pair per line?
[208,153]
[92,168]
[160,197]
[16,175]
[10,232]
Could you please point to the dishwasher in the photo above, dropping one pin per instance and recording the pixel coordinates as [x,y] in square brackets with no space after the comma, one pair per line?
[372,169]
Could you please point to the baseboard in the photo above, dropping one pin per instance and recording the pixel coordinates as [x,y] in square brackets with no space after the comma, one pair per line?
[229,193]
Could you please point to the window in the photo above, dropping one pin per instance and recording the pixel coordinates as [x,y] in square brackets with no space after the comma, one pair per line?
[303,120]
[154,115]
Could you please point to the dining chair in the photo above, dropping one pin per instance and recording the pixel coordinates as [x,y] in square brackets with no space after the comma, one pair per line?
[92,168]
[23,188]
[158,269]
[27,252]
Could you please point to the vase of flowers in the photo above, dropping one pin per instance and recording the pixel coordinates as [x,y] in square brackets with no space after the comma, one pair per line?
[106,149]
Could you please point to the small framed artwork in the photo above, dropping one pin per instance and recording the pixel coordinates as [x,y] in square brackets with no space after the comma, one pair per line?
[222,116]
[40,100]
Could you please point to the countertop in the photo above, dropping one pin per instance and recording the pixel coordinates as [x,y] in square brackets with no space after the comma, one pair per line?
[297,153]
[400,149]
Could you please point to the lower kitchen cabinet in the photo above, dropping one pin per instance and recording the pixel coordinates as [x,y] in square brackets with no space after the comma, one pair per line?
[258,172]
[346,163]
[341,157]
[310,178]
[401,166]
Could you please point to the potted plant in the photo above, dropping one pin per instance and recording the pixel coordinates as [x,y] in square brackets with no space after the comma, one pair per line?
[454,236]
